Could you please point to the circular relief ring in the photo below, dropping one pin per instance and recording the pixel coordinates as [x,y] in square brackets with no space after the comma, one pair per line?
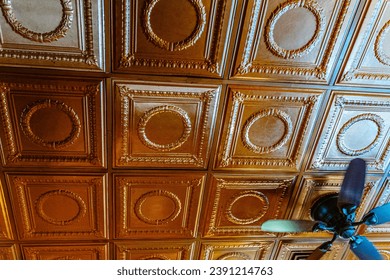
[60,31]
[180,45]
[256,194]
[39,203]
[363,117]
[378,47]
[48,103]
[234,255]
[151,221]
[285,118]
[278,13]
[158,110]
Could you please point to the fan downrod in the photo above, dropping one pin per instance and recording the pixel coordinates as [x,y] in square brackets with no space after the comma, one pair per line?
[326,210]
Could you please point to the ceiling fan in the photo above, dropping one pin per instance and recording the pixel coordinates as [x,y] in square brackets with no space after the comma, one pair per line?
[336,213]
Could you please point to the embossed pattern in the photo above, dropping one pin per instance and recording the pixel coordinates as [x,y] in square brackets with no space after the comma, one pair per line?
[173,129]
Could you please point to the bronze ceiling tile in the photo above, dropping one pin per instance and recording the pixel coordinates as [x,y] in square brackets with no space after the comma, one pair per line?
[301,249]
[66,252]
[158,205]
[154,250]
[355,125]
[368,61]
[164,125]
[66,34]
[172,37]
[236,250]
[51,122]
[59,207]
[266,128]
[291,40]
[8,252]
[237,206]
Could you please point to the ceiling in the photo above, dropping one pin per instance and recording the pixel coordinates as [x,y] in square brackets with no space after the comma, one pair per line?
[173,129]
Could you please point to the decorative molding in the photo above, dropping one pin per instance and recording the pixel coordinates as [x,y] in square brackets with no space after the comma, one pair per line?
[284,117]
[340,141]
[283,8]
[54,35]
[243,250]
[378,45]
[34,107]
[164,109]
[174,46]
[234,255]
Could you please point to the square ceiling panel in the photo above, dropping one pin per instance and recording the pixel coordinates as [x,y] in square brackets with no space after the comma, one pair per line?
[53,34]
[356,125]
[59,207]
[291,40]
[266,128]
[233,250]
[164,125]
[52,123]
[154,250]
[172,37]
[65,252]
[368,61]
[158,205]
[241,204]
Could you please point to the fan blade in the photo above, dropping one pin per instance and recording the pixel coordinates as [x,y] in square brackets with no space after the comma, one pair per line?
[320,251]
[288,225]
[364,249]
[378,215]
[352,187]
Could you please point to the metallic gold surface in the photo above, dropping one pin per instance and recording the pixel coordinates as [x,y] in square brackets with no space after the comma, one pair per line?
[172,129]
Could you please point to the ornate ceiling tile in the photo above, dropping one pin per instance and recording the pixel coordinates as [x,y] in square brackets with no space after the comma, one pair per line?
[173,37]
[59,207]
[164,125]
[291,40]
[266,128]
[368,59]
[57,34]
[5,225]
[52,123]
[300,250]
[355,125]
[241,204]
[236,250]
[66,252]
[8,252]
[158,205]
[154,250]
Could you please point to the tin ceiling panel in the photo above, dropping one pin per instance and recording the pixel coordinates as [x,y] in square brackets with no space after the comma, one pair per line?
[60,34]
[368,62]
[159,129]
